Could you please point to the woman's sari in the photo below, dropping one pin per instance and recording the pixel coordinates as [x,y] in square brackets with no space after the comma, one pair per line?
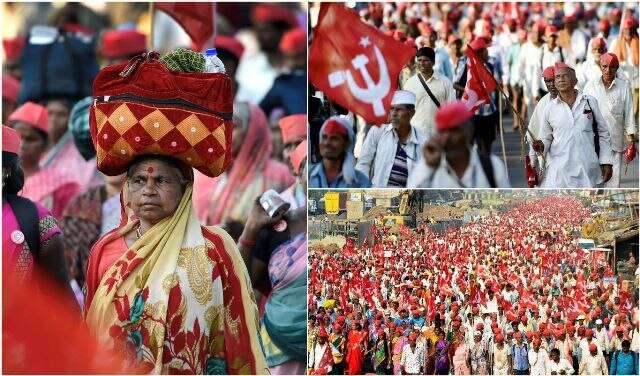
[460,357]
[380,359]
[178,300]
[284,324]
[398,344]
[355,351]
[51,189]
[442,358]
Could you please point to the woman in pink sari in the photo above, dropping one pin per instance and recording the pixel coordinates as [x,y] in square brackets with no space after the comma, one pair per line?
[461,357]
[397,344]
[50,188]
[229,197]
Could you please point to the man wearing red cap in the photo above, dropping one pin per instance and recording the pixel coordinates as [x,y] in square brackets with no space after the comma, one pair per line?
[320,355]
[566,133]
[590,68]
[579,39]
[616,103]
[519,356]
[412,360]
[559,365]
[551,54]
[625,47]
[529,60]
[391,151]
[337,167]
[450,159]
[12,50]
[593,362]
[538,359]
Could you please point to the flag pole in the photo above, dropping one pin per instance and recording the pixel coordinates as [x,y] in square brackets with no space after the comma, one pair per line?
[524,127]
[504,152]
[151,22]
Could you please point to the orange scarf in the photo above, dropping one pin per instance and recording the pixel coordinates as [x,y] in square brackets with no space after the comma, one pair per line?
[621,49]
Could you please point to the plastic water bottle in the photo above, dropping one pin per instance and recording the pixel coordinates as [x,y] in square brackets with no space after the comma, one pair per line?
[212,63]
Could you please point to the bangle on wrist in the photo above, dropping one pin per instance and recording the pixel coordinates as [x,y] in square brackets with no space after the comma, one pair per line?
[246,242]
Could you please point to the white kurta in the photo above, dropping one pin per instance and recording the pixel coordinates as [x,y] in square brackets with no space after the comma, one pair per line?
[539,362]
[442,89]
[534,127]
[562,365]
[593,365]
[567,135]
[379,152]
[443,176]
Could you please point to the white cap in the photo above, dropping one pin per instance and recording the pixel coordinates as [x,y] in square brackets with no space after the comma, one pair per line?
[403,97]
[598,322]
[424,329]
[477,333]
[581,317]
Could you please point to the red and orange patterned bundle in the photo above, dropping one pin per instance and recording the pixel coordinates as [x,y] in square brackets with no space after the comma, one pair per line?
[141,107]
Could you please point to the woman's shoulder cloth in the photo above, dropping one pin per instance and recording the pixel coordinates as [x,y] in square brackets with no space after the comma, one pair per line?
[220,238]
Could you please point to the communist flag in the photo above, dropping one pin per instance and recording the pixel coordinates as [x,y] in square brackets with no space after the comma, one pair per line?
[195,18]
[480,83]
[355,64]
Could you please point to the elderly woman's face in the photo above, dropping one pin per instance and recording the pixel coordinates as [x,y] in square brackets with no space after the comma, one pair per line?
[156,189]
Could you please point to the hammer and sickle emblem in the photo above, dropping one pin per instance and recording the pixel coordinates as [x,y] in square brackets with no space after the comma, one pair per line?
[374,92]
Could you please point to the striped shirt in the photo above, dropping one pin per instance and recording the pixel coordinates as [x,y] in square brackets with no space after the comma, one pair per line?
[399,171]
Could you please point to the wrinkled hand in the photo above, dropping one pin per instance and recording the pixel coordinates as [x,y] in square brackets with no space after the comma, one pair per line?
[607,172]
[433,150]
[538,146]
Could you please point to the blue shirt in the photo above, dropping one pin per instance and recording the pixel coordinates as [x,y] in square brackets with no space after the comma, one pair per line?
[624,364]
[318,179]
[520,357]
[285,93]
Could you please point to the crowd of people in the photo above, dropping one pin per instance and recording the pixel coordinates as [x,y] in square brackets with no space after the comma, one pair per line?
[542,57]
[511,294]
[117,226]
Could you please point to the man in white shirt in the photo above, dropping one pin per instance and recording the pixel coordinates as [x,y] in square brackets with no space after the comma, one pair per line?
[320,356]
[590,68]
[529,61]
[593,363]
[616,103]
[538,359]
[602,337]
[551,53]
[390,152]
[566,132]
[450,160]
[440,87]
[559,366]
[411,361]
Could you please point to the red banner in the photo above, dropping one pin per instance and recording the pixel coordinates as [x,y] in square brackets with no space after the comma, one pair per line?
[196,19]
[354,63]
[480,83]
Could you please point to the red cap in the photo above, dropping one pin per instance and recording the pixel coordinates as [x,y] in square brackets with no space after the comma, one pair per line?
[10,140]
[13,47]
[593,347]
[456,324]
[551,30]
[425,28]
[561,64]
[480,326]
[412,336]
[518,335]
[293,126]
[537,341]
[122,43]
[522,33]
[32,114]
[546,332]
[499,338]
[294,41]
[610,59]
[478,43]
[598,42]
[298,155]
[529,334]
[322,333]
[619,329]
[570,18]
[524,319]
[589,332]
[230,44]
[333,126]
[629,22]
[272,13]
[451,115]
[538,26]
[604,25]
[10,88]
[606,320]
[452,38]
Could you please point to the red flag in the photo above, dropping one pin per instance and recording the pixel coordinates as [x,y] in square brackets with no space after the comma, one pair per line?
[195,18]
[626,302]
[354,63]
[480,83]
